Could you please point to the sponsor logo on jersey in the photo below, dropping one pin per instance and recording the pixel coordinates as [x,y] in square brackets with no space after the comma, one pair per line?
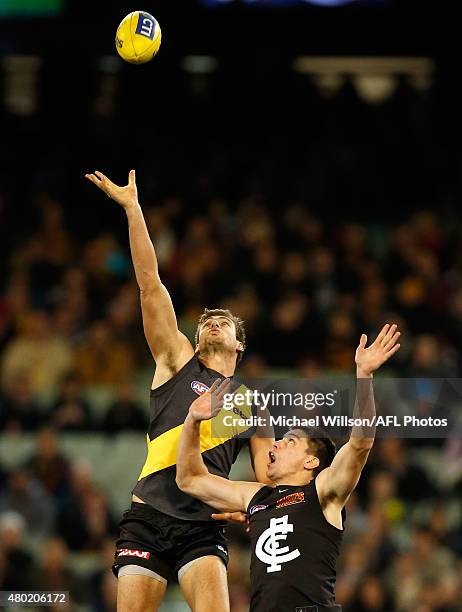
[289,500]
[199,387]
[268,549]
[146,25]
[254,509]
[128,552]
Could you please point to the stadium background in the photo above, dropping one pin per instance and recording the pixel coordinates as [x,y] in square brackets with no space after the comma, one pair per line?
[315,199]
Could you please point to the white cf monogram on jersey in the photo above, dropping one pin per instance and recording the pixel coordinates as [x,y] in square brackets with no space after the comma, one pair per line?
[268,549]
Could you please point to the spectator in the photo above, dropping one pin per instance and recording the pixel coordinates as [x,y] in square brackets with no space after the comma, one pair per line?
[101,360]
[70,412]
[103,583]
[43,356]
[85,519]
[19,409]
[125,413]
[372,596]
[49,466]
[412,482]
[53,572]
[28,498]
[17,568]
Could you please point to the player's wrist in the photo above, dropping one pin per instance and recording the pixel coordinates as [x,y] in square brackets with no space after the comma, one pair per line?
[129,207]
[363,373]
[192,419]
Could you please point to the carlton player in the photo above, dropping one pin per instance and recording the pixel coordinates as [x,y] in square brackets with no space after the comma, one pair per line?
[296,525]
[167,533]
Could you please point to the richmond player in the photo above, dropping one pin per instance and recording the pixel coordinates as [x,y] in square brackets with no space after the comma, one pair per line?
[167,533]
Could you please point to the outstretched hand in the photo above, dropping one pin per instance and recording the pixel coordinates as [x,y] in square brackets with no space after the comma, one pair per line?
[126,196]
[368,360]
[209,404]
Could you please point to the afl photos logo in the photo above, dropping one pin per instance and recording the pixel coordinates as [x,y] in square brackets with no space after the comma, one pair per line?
[199,387]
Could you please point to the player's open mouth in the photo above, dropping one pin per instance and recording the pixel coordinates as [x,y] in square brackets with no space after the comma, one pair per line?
[272,457]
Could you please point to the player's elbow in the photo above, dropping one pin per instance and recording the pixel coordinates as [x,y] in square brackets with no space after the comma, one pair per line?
[149,285]
[183,482]
[362,445]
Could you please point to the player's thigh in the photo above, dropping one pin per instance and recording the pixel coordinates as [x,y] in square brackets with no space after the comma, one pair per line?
[137,593]
[205,585]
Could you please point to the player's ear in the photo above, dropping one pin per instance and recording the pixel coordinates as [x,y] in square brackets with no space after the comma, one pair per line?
[239,347]
[311,462]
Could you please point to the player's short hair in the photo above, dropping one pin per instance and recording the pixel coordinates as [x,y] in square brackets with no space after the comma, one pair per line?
[223,312]
[321,446]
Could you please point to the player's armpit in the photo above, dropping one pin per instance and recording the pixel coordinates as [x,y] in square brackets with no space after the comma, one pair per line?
[220,493]
[339,480]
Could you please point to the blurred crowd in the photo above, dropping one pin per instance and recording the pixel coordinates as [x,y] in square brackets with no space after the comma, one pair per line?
[70,316]
[49,509]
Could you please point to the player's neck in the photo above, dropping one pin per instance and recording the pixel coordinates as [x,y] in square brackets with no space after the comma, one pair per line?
[293,480]
[223,363]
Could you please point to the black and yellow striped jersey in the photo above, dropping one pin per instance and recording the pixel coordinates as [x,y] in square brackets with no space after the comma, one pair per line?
[219,446]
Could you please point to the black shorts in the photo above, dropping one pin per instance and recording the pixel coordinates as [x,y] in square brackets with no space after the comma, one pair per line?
[164,544]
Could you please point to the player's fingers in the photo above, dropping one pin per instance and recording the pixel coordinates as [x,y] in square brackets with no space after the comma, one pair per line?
[103,182]
[132,178]
[220,391]
[223,388]
[363,341]
[215,385]
[392,341]
[394,350]
[223,516]
[226,383]
[95,180]
[108,184]
[234,517]
[389,334]
[382,333]
[216,405]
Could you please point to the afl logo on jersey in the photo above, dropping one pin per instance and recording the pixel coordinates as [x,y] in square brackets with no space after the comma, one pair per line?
[199,387]
[254,509]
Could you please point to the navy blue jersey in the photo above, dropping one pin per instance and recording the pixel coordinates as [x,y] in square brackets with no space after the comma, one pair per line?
[294,550]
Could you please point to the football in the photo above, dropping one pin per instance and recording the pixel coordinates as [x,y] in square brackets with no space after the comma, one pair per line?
[138,38]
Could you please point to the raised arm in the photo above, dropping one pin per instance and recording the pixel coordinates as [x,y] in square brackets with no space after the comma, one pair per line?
[339,480]
[169,347]
[260,443]
[192,476]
